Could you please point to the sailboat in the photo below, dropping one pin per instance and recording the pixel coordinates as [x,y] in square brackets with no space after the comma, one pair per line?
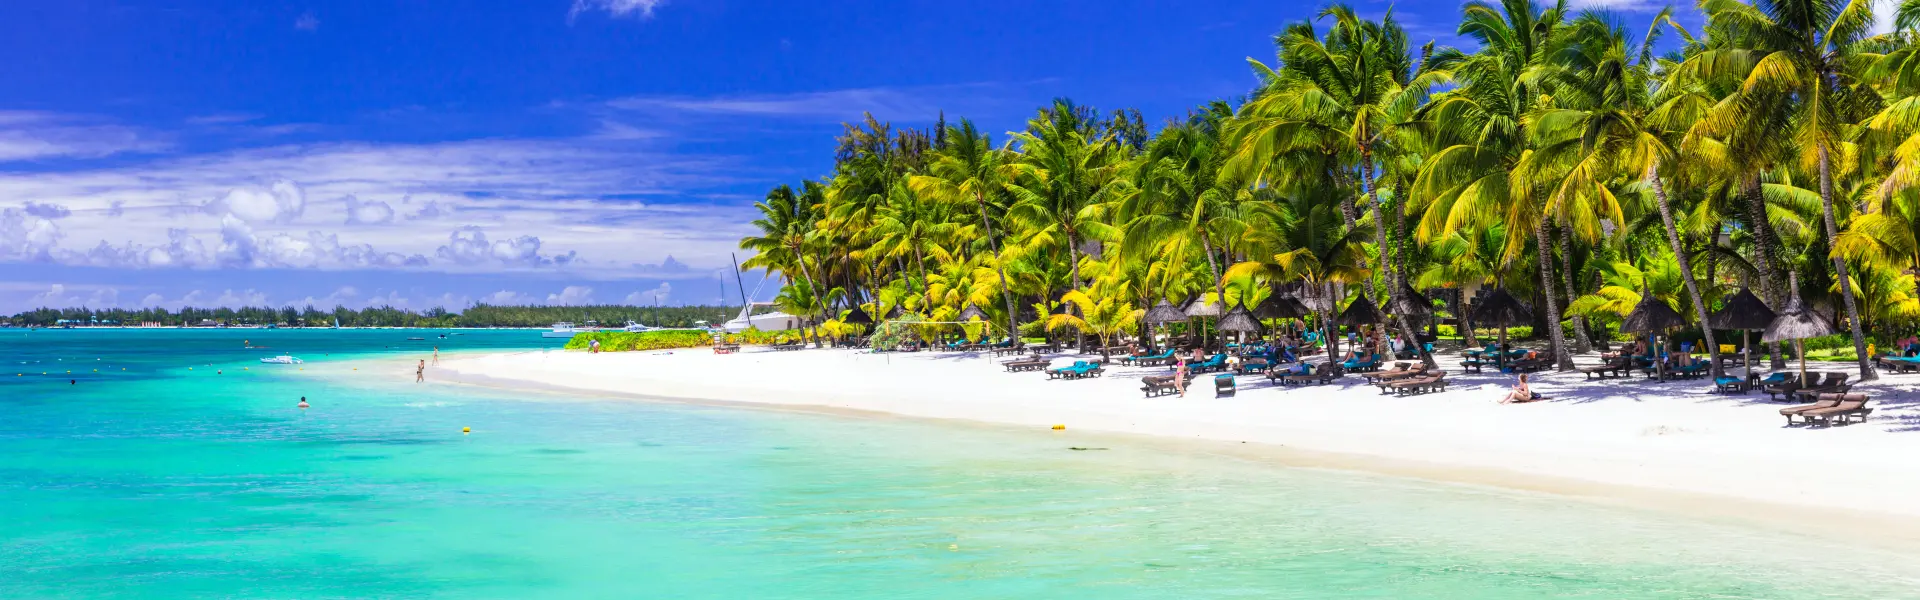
[771,321]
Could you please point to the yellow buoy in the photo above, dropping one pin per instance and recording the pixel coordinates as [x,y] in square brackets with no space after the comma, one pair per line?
[466,430]
[1059,427]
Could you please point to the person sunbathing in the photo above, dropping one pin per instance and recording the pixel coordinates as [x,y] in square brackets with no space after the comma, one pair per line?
[1521,392]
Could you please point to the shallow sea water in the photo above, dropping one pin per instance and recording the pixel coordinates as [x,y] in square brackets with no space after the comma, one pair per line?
[164,482]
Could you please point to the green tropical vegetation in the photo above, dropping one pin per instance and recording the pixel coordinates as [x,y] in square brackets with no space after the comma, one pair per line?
[1571,158]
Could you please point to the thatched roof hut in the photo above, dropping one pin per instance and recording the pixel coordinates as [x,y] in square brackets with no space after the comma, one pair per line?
[1361,312]
[1165,312]
[1239,319]
[1743,311]
[1652,315]
[1501,309]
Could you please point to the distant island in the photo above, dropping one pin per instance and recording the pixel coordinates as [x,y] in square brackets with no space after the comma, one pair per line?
[479,315]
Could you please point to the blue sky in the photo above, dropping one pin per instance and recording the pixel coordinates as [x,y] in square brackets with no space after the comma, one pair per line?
[439,153]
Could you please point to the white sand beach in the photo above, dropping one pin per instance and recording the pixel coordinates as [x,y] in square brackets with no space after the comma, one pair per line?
[1612,439]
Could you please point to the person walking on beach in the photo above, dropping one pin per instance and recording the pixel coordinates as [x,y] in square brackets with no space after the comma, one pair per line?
[1180,376]
[436,355]
[420,372]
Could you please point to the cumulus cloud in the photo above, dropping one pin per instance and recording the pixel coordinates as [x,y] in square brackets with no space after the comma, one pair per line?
[573,295]
[469,246]
[615,8]
[24,236]
[368,213]
[281,202]
[656,295]
[434,209]
[59,296]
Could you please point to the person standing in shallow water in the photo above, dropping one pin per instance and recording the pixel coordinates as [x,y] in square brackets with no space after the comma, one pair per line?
[436,355]
[420,372]
[303,402]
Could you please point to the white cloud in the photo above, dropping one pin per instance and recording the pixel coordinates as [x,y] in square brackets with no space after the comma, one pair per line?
[573,295]
[506,298]
[26,237]
[47,211]
[27,135]
[59,296]
[616,8]
[372,212]
[283,201]
[646,297]
[469,246]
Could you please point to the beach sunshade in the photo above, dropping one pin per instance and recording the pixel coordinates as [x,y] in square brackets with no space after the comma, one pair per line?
[1796,322]
[1361,312]
[1412,303]
[894,313]
[1501,309]
[972,312]
[1239,319]
[1165,312]
[1317,298]
[1652,315]
[857,317]
[1743,311]
[1276,307]
[1202,308]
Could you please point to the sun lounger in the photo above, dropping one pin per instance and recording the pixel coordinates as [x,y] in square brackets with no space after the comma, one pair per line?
[1322,373]
[1150,359]
[1080,369]
[1397,370]
[1033,363]
[1217,362]
[1850,406]
[1436,382]
[1825,401]
[1615,367]
[1158,385]
[1223,385]
[1835,383]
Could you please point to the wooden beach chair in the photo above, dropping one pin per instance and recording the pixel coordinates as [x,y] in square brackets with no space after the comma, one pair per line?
[1850,406]
[1825,401]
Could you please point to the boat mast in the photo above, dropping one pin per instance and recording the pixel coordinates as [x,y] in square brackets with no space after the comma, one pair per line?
[746,306]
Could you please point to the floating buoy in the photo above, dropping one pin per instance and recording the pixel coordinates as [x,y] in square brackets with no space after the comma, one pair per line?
[1059,427]
[466,430]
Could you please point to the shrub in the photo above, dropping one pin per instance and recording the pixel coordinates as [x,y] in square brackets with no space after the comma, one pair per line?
[621,341]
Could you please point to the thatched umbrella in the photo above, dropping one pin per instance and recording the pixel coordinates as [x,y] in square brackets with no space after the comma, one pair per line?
[1796,323]
[1651,317]
[858,316]
[1502,310]
[1412,303]
[1164,312]
[972,312]
[1362,311]
[1239,320]
[1199,307]
[1743,311]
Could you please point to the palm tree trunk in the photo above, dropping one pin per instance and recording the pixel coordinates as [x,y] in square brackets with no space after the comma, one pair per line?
[1840,268]
[1073,263]
[1686,269]
[1219,287]
[1013,313]
[1581,343]
[920,259]
[1387,271]
[1555,335]
[1770,283]
[800,258]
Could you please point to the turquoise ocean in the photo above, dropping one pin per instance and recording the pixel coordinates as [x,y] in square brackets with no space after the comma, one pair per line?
[172,464]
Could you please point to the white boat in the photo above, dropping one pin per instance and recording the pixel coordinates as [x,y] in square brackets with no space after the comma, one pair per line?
[282,360]
[772,321]
[562,329]
[633,327]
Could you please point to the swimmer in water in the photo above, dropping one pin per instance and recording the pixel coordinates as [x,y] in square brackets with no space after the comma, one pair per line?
[303,402]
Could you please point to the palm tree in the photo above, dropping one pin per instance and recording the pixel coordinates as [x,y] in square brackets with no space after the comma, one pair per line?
[1066,166]
[1481,125]
[785,223]
[1344,95]
[971,170]
[1797,56]
[1109,315]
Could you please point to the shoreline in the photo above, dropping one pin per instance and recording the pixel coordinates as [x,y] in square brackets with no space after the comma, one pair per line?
[1663,446]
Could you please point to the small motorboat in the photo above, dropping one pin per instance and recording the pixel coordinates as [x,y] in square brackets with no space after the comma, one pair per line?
[281,360]
[416,339]
[562,329]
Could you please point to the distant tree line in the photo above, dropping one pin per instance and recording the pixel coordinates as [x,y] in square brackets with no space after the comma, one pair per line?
[480,315]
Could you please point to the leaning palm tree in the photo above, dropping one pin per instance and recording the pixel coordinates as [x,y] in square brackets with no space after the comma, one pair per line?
[971,171]
[786,222]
